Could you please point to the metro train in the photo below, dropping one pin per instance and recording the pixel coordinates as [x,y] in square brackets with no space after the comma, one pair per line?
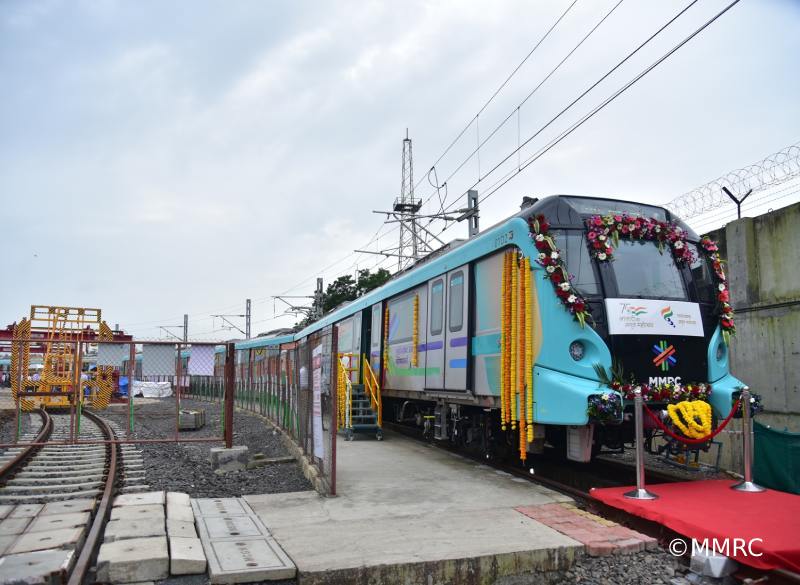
[619,295]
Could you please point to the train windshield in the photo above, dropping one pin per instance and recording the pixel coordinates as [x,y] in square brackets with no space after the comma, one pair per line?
[642,270]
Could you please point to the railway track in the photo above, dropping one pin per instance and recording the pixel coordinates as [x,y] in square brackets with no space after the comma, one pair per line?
[56,495]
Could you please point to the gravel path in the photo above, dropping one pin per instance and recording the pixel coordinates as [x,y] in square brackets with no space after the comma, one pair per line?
[8,425]
[186,467]
[644,568]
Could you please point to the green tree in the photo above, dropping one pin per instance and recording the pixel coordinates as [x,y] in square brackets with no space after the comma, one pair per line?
[345,289]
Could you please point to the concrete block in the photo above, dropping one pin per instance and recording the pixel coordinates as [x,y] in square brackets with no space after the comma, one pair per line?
[232,526]
[178,498]
[44,567]
[63,538]
[138,512]
[247,560]
[14,525]
[713,565]
[142,499]
[180,512]
[136,559]
[59,521]
[191,419]
[26,511]
[124,529]
[181,528]
[5,542]
[219,507]
[225,460]
[186,556]
[5,509]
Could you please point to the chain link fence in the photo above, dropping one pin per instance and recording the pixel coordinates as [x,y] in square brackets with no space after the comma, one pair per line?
[144,388]
[289,385]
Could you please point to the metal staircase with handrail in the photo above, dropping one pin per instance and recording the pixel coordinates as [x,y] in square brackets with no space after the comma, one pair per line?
[359,404]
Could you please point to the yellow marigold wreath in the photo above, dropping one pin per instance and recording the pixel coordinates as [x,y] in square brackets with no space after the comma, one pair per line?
[691,417]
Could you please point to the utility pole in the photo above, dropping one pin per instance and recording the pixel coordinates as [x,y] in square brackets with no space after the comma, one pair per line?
[247,319]
[318,300]
[407,207]
[405,211]
[472,214]
[185,328]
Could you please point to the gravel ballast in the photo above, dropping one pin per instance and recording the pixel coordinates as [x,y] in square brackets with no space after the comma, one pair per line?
[186,467]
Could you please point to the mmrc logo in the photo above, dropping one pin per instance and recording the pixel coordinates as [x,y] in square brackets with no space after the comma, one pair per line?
[667,313]
[665,356]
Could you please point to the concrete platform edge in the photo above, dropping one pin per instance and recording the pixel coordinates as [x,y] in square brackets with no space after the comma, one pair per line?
[483,570]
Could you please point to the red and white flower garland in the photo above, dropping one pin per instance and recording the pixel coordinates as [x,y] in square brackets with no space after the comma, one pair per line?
[603,230]
[668,392]
[550,257]
[726,323]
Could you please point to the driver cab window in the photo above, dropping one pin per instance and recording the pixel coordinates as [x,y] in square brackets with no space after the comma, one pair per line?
[575,254]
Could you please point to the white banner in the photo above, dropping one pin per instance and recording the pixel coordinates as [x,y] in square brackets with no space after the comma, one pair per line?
[316,410]
[112,354]
[201,360]
[653,317]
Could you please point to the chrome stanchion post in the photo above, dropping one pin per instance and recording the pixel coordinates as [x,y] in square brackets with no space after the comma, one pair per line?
[747,448]
[640,493]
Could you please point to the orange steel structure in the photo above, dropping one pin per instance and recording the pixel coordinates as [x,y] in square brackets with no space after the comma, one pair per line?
[59,334]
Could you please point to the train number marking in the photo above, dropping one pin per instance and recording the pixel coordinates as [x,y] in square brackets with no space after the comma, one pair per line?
[503,239]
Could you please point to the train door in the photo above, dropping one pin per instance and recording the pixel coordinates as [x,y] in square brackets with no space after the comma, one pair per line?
[434,346]
[376,336]
[366,337]
[456,343]
[356,349]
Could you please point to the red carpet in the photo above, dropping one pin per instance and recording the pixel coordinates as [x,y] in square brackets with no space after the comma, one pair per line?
[710,509]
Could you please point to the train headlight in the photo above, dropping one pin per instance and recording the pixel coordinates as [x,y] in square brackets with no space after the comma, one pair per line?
[576,350]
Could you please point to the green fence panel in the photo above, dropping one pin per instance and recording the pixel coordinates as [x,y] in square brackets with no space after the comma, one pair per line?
[777,459]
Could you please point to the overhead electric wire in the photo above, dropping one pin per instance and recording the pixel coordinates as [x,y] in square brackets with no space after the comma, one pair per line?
[595,110]
[500,88]
[516,109]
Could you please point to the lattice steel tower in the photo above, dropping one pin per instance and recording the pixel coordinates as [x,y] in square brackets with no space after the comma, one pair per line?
[406,208]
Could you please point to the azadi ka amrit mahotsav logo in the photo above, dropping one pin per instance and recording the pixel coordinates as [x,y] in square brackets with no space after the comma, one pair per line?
[665,356]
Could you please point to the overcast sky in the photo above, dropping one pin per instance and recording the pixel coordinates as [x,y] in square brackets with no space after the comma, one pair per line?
[162,158]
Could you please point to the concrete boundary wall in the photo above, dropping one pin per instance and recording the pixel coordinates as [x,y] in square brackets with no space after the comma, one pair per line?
[763,261]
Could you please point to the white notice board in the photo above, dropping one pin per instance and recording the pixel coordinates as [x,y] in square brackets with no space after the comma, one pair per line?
[653,317]
[316,412]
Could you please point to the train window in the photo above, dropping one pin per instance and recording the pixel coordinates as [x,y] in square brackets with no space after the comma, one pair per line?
[575,254]
[456,301]
[401,319]
[642,270]
[701,276]
[437,307]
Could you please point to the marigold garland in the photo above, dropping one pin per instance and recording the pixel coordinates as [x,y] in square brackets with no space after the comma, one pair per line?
[514,341]
[692,418]
[415,334]
[528,347]
[385,342]
[503,342]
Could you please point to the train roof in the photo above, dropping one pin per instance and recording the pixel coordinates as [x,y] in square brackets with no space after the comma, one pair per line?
[561,210]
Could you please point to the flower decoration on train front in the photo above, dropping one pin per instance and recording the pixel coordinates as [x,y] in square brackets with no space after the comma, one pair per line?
[605,231]
[724,308]
[670,392]
[756,405]
[605,408]
[549,257]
